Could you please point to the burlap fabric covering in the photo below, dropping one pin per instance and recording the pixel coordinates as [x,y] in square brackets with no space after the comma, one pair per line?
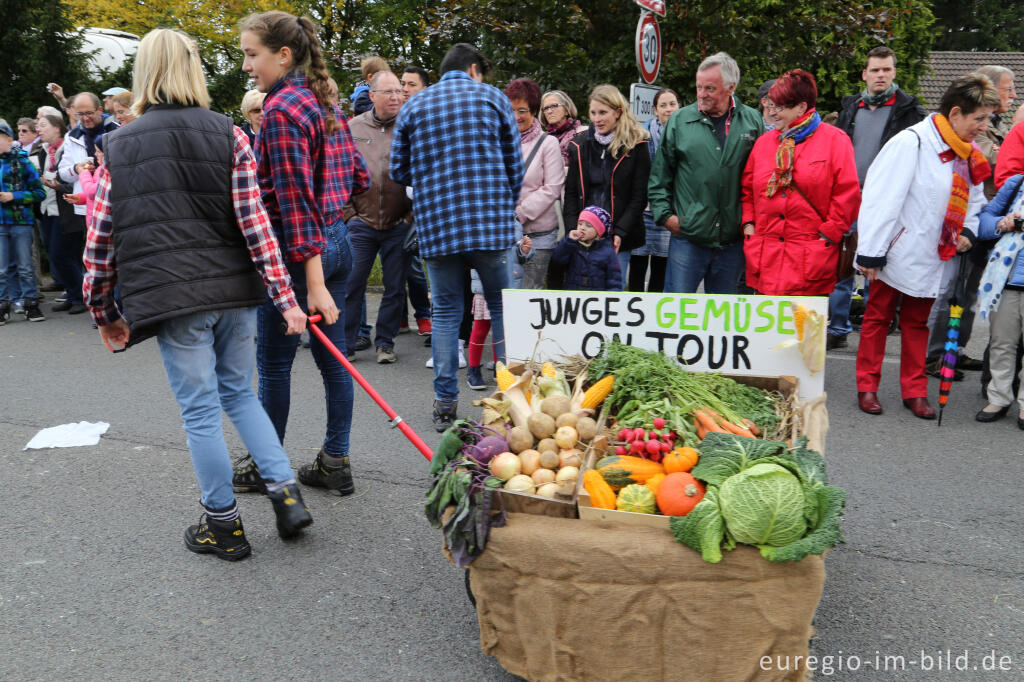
[561,599]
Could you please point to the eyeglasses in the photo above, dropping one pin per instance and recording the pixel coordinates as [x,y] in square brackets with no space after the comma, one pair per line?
[550,107]
[81,114]
[390,93]
[773,107]
[521,112]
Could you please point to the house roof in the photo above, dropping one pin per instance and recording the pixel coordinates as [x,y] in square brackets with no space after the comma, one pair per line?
[946,66]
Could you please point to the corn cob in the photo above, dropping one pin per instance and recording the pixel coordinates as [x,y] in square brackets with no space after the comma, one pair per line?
[548,371]
[505,378]
[596,394]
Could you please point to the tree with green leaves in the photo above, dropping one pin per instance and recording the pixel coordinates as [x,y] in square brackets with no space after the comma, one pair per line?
[39,47]
[979,25]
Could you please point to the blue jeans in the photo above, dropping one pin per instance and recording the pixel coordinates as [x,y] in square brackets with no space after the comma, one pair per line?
[16,248]
[366,243]
[839,307]
[447,277]
[689,264]
[208,358]
[624,266]
[418,291]
[275,350]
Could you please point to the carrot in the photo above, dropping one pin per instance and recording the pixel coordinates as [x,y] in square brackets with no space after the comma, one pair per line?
[701,431]
[738,430]
[752,426]
[707,421]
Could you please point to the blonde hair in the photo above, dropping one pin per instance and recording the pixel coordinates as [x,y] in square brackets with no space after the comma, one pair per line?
[628,131]
[124,99]
[563,99]
[250,100]
[373,64]
[168,71]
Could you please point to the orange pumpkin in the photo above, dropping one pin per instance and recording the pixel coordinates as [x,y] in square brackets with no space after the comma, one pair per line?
[679,493]
[681,459]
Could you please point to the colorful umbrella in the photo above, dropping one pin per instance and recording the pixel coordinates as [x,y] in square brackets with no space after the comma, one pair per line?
[951,351]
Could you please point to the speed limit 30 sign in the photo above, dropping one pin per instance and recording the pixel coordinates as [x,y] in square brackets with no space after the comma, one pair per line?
[648,47]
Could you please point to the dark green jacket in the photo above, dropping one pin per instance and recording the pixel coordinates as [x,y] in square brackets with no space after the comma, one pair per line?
[695,179]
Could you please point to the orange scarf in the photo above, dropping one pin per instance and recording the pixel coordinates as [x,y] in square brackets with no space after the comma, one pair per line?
[968,164]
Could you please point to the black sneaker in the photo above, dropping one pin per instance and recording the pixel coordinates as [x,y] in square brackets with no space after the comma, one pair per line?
[61,307]
[33,313]
[833,341]
[292,513]
[320,475]
[226,539]
[444,414]
[77,309]
[362,343]
[246,477]
[5,312]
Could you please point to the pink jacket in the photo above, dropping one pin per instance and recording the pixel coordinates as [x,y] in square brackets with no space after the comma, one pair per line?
[90,181]
[542,186]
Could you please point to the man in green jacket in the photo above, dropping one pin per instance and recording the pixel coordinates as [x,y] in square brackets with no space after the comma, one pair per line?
[694,189]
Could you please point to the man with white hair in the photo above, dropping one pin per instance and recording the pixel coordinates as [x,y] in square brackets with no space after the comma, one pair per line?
[694,188]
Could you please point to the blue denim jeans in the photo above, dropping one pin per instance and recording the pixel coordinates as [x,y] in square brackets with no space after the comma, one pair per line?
[839,307]
[16,248]
[447,278]
[208,358]
[275,350]
[366,244]
[419,294]
[689,264]
[624,257]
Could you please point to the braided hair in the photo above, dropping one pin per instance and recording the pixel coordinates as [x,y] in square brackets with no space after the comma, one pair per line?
[299,34]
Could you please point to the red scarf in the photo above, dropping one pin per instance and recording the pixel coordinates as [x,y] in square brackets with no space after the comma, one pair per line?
[51,154]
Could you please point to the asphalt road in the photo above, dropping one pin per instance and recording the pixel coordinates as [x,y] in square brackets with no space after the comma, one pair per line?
[95,582]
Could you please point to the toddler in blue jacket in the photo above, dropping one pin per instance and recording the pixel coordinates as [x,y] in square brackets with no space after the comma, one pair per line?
[592,262]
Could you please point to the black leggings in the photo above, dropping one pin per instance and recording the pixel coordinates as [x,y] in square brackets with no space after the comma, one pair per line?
[638,272]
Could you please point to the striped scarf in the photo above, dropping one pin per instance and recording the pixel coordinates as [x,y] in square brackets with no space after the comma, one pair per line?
[968,164]
[782,176]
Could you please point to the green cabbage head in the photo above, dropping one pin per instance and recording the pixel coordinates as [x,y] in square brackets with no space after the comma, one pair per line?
[763,505]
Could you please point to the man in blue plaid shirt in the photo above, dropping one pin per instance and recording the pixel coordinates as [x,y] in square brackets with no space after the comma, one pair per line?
[457,145]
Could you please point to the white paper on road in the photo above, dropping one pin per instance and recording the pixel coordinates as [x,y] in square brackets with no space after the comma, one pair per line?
[68,435]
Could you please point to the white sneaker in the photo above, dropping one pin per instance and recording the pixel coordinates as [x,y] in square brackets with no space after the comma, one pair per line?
[462,358]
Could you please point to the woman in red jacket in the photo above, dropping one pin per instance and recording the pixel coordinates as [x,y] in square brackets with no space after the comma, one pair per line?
[800,195]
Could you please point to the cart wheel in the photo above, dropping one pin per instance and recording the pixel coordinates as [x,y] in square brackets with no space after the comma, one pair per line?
[469,590]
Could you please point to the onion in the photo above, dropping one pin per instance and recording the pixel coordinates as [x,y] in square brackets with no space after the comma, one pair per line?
[566,437]
[506,465]
[569,458]
[543,476]
[519,483]
[530,460]
[547,490]
[566,479]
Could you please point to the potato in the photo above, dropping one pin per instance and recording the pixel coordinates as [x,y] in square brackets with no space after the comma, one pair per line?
[569,458]
[547,444]
[530,460]
[566,437]
[555,405]
[549,459]
[541,425]
[547,490]
[541,476]
[519,439]
[587,428]
[567,419]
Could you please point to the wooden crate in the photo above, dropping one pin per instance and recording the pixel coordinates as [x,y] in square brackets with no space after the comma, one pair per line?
[786,385]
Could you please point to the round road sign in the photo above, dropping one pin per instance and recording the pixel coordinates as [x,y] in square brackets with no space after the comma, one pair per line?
[648,47]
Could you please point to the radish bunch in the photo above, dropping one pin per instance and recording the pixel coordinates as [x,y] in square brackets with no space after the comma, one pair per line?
[651,442]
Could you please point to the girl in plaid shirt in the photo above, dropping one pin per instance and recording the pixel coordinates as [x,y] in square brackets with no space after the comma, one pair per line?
[308,167]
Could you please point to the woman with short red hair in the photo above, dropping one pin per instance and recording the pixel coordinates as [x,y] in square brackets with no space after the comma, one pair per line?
[800,195]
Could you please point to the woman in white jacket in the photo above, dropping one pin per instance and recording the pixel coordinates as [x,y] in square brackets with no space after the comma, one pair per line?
[919,210]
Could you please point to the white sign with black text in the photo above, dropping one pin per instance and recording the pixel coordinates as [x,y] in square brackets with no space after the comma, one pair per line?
[747,335]
[641,101]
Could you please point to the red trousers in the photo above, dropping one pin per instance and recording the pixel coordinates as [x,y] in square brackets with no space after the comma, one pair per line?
[878,315]
[476,342]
